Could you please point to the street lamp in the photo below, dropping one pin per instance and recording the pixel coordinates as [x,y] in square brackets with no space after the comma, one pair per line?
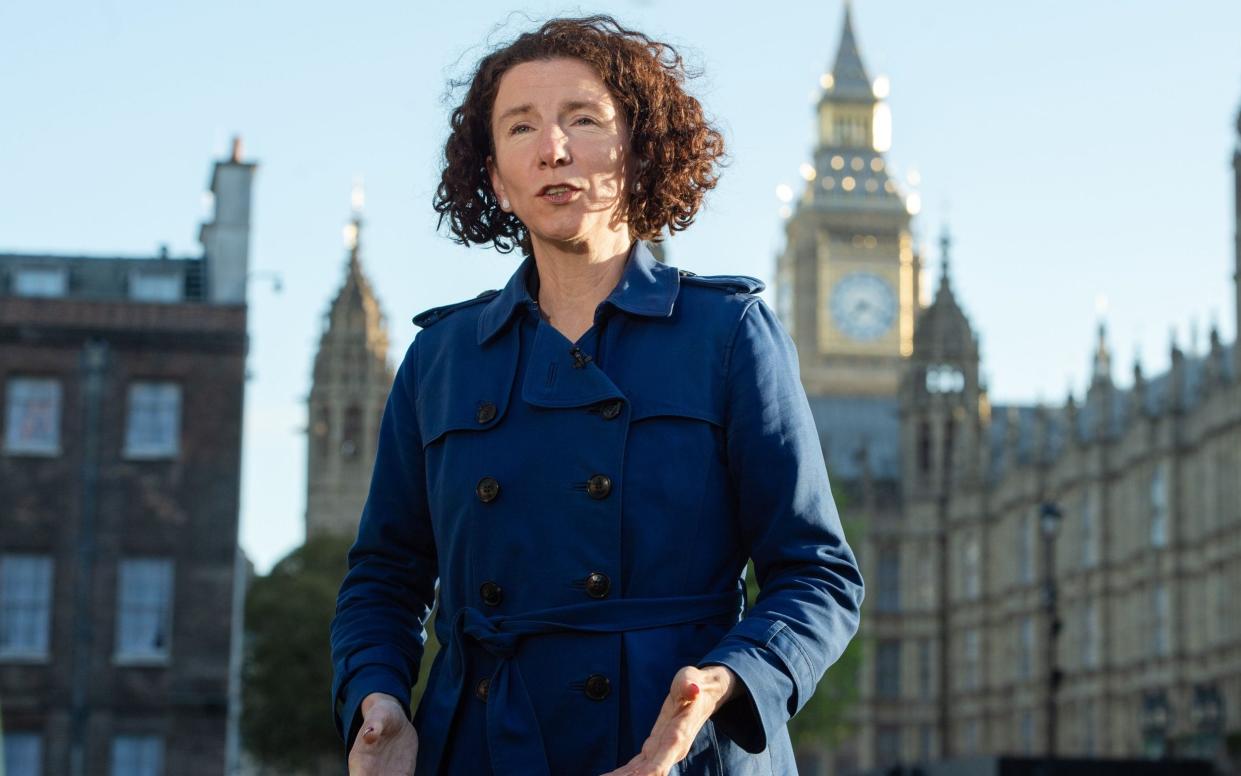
[1050,516]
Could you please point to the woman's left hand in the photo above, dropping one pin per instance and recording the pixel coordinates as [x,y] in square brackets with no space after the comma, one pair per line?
[694,697]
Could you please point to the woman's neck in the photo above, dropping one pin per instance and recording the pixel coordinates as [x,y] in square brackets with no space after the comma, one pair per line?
[573,280]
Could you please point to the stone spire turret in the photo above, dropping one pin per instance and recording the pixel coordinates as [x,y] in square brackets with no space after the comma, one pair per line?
[1101,365]
[352,377]
[849,80]
[941,391]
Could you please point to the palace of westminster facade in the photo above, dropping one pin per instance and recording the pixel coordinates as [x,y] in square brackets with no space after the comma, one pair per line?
[962,653]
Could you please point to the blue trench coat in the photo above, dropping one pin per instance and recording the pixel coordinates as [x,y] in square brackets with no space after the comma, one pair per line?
[587,510]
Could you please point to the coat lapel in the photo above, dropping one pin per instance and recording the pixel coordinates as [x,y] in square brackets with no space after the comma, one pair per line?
[558,374]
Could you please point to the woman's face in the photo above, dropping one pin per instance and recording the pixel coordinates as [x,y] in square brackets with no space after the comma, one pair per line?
[561,153]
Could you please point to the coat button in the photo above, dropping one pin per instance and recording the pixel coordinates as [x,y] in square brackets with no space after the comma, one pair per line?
[480,690]
[599,486]
[486,412]
[598,687]
[487,489]
[491,593]
[610,409]
[598,584]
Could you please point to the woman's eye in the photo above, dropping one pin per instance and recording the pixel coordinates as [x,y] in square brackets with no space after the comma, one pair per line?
[586,119]
[518,128]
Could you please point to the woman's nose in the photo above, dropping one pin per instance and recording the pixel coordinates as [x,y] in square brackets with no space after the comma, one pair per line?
[554,148]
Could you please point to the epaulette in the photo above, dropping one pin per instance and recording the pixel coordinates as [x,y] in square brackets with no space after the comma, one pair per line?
[741,284]
[435,314]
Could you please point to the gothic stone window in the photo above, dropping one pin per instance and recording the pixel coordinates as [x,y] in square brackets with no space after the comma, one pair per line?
[1090,635]
[1025,648]
[889,579]
[968,737]
[970,654]
[1089,734]
[351,440]
[924,669]
[1159,505]
[1090,529]
[888,745]
[971,562]
[153,426]
[32,416]
[888,669]
[1160,622]
[25,605]
[1025,549]
[1025,731]
[949,433]
[924,447]
[320,431]
[144,609]
[927,587]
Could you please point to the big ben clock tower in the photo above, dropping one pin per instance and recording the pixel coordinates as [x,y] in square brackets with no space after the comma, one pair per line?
[847,280]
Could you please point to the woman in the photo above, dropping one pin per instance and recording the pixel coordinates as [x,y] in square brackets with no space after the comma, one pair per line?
[585,460]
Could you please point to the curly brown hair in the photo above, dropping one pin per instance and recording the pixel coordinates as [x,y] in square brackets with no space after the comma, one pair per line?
[677,150]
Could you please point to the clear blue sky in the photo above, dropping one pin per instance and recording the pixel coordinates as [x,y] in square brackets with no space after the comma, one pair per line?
[1077,149]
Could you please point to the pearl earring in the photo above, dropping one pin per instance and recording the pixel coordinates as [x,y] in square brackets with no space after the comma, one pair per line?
[504,204]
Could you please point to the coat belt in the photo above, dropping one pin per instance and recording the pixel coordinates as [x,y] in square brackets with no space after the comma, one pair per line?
[513,734]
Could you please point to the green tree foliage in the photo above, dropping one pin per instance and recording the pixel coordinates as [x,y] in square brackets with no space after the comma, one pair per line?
[287,675]
[286,721]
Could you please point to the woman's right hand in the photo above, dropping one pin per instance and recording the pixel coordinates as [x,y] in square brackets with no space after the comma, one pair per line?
[386,744]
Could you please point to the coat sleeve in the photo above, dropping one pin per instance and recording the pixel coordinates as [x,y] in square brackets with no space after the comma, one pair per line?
[810,588]
[378,632]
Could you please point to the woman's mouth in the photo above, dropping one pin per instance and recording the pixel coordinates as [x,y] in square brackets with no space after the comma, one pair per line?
[558,194]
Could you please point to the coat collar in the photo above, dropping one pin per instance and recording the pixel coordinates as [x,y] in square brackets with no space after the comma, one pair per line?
[646,287]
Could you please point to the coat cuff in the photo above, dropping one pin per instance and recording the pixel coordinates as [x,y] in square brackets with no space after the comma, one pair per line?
[766,657]
[368,679]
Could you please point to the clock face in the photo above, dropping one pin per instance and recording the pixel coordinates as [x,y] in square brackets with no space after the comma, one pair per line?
[863,306]
[944,378]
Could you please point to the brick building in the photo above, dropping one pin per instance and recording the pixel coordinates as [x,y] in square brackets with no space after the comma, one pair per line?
[120,594]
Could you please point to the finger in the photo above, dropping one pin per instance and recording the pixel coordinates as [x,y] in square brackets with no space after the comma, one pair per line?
[373,732]
[691,692]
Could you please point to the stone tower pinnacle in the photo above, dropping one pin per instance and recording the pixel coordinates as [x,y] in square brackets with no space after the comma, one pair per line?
[849,79]
[352,377]
[941,392]
[1101,366]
